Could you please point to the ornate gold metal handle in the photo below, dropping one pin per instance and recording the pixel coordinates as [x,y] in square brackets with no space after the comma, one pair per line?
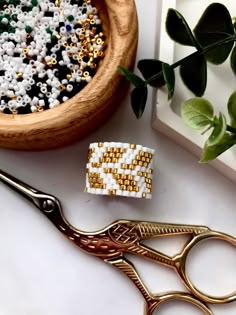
[175,296]
[181,267]
[152,302]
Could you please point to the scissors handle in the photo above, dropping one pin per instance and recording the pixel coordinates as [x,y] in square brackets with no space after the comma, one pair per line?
[152,302]
[158,300]
[180,265]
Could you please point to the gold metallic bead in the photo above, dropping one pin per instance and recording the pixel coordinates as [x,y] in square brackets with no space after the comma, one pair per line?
[99,41]
[62,87]
[40,109]
[143,195]
[112,192]
[100,53]
[132,146]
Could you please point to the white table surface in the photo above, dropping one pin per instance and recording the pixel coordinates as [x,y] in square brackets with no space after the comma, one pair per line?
[42,273]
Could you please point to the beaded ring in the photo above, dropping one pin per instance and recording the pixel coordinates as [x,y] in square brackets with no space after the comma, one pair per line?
[115,168]
[49,50]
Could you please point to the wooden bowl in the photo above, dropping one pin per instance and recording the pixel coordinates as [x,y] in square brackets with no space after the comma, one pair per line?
[88,109]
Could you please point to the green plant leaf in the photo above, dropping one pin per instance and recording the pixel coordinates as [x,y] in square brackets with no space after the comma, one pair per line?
[178,29]
[169,76]
[215,25]
[138,100]
[149,68]
[212,151]
[219,130]
[197,113]
[233,60]
[133,78]
[194,74]
[232,109]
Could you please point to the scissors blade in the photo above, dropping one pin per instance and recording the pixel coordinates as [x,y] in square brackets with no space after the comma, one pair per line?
[41,200]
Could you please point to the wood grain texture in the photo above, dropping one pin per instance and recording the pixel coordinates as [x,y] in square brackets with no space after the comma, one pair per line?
[88,109]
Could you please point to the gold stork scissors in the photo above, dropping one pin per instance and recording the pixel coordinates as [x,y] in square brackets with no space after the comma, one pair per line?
[114,241]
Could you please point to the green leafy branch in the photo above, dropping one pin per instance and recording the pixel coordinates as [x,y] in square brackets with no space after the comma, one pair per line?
[213,38]
[198,113]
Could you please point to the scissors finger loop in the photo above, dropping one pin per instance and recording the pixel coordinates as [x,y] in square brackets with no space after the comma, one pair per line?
[181,268]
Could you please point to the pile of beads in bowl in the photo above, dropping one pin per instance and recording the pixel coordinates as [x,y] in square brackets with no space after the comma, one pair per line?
[49,50]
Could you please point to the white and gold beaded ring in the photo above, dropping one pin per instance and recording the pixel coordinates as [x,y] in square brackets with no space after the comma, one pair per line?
[123,169]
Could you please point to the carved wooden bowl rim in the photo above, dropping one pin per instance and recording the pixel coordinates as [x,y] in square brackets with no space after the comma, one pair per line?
[84,112]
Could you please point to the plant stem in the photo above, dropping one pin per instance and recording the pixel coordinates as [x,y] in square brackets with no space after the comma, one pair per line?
[196,53]
[231,129]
